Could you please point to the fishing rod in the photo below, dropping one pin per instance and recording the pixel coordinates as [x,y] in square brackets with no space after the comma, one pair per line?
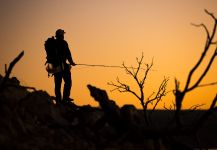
[90,65]
[109,66]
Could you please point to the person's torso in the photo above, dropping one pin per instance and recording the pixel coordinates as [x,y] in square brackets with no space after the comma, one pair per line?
[61,48]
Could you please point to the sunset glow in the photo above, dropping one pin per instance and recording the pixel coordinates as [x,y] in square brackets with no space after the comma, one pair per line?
[110,32]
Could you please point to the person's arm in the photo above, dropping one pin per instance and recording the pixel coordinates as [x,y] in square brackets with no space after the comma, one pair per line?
[69,56]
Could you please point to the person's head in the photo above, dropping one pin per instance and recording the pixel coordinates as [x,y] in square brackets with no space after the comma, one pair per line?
[60,34]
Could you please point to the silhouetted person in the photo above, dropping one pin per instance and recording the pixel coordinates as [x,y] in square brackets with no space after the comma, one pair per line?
[64,54]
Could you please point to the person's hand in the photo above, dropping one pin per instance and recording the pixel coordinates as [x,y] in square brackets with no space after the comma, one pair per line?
[73,64]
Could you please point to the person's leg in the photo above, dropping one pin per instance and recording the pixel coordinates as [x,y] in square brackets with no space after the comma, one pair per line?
[67,85]
[58,81]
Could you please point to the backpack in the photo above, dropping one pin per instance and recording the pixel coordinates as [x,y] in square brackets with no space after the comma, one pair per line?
[50,48]
[53,60]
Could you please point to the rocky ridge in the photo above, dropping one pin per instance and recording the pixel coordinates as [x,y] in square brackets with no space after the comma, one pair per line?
[30,120]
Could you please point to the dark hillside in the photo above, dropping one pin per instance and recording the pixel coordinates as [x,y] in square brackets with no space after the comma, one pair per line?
[29,120]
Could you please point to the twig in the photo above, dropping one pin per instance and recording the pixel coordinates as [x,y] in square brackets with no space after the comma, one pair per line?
[194,107]
[160,93]
[206,115]
[6,68]
[207,84]
[202,25]
[9,70]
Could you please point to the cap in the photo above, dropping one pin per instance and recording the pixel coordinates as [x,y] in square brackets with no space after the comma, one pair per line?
[60,32]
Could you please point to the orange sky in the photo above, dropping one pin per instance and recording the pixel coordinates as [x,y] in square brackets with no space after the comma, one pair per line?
[109,32]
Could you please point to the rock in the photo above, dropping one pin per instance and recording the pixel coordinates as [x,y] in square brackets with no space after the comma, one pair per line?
[110,108]
[131,115]
[12,94]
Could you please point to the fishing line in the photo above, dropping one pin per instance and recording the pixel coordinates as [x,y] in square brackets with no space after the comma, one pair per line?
[108,66]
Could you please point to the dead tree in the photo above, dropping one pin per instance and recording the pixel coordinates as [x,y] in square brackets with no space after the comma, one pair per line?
[9,70]
[189,85]
[140,75]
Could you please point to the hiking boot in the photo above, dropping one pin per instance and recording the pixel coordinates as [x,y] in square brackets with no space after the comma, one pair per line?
[68,100]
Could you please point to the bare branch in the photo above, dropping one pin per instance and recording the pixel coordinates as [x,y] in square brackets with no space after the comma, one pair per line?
[160,93]
[111,83]
[204,73]
[132,69]
[6,68]
[11,66]
[121,87]
[177,83]
[202,25]
[166,107]
[195,107]
[172,107]
[139,64]
[214,43]
[148,67]
[128,71]
[150,96]
[213,102]
[133,74]
[211,14]
[207,46]
[208,84]
[205,116]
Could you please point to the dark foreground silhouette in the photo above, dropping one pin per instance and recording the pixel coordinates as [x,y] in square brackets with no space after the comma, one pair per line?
[30,120]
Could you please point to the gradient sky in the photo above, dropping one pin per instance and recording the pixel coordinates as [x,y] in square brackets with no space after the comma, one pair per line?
[109,32]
